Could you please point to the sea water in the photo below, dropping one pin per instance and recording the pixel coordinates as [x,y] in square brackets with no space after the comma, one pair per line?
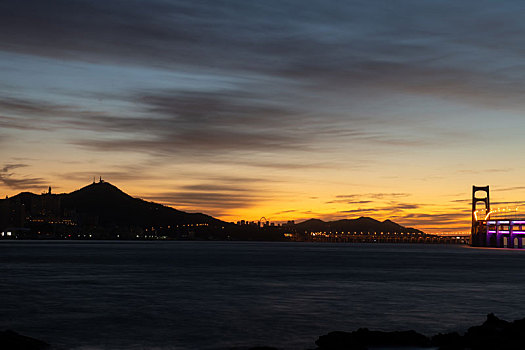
[220,295]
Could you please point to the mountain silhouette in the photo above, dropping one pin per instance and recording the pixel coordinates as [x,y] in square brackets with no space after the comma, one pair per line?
[362,224]
[113,206]
[101,210]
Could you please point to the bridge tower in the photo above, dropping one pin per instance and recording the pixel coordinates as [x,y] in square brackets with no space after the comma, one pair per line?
[478,230]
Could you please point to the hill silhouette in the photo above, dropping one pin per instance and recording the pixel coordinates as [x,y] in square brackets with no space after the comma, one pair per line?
[113,206]
[101,210]
[362,224]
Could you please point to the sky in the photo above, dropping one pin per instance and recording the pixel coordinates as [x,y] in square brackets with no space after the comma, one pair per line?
[284,109]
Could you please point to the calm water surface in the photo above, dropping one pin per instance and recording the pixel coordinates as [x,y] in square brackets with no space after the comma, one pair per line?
[218,295]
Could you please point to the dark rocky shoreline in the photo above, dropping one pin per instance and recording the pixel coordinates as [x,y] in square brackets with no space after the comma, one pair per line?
[10,340]
[493,334]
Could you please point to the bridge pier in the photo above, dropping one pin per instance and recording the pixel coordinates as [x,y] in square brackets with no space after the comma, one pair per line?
[499,240]
[489,239]
[510,242]
[498,230]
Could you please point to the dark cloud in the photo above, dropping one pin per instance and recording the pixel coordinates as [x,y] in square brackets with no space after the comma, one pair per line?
[510,203]
[16,181]
[217,196]
[205,33]
[227,180]
[175,122]
[290,164]
[507,189]
[349,202]
[349,196]
[447,49]
[389,198]
[20,124]
[404,206]
[8,167]
[180,123]
[378,195]
[210,123]
[123,174]
[367,211]
[346,201]
[437,220]
[31,114]
[215,203]
[390,209]
[216,187]
[285,212]
[205,200]
[461,201]
[28,107]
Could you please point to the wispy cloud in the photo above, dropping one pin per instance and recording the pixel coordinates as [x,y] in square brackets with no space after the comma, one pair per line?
[120,174]
[508,189]
[8,167]
[379,195]
[15,181]
[216,197]
[362,211]
[457,220]
[200,122]
[319,45]
[345,201]
[366,197]
[389,209]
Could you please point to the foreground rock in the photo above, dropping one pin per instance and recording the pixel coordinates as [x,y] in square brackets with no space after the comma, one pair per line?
[493,334]
[364,338]
[10,340]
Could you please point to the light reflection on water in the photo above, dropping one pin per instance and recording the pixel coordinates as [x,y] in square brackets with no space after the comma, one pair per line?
[216,295]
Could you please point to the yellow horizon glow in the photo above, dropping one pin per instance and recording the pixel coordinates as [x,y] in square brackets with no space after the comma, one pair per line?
[299,202]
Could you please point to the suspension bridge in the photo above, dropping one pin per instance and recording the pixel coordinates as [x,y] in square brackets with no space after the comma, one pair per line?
[497,228]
